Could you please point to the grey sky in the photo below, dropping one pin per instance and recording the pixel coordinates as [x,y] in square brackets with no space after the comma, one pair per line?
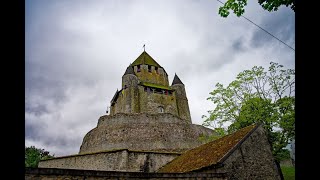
[77,51]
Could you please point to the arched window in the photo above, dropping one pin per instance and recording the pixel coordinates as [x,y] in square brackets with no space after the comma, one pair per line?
[161,110]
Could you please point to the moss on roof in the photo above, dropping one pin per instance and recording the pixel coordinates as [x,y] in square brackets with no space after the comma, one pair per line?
[155,86]
[145,58]
[207,154]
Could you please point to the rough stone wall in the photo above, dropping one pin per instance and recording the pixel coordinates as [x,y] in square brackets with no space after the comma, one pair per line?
[128,99]
[252,160]
[182,102]
[150,102]
[159,77]
[129,80]
[118,160]
[53,174]
[100,161]
[143,132]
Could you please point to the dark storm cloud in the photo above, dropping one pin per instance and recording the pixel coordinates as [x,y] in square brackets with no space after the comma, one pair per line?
[32,132]
[281,26]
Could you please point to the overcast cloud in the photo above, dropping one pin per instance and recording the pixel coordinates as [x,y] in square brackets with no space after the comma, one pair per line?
[77,51]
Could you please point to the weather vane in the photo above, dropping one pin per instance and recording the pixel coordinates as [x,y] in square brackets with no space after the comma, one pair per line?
[144,47]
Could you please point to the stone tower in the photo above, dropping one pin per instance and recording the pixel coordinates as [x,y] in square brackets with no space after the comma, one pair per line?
[149,130]
[149,125]
[181,98]
[145,89]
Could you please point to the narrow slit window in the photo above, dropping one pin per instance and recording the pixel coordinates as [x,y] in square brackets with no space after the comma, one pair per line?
[161,109]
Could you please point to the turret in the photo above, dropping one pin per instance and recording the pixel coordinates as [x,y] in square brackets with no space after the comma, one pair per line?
[181,99]
[129,78]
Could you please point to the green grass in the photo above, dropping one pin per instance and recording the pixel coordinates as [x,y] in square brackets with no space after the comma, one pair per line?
[288,172]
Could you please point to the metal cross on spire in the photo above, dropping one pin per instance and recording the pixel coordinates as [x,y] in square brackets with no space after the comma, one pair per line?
[144,47]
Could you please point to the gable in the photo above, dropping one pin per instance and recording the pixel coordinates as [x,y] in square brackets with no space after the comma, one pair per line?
[209,154]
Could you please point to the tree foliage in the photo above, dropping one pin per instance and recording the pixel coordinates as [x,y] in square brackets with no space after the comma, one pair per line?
[257,96]
[237,6]
[33,155]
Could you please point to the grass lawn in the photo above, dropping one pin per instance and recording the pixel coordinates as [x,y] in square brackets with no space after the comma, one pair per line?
[288,172]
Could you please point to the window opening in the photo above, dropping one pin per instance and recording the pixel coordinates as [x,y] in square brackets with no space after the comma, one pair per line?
[161,110]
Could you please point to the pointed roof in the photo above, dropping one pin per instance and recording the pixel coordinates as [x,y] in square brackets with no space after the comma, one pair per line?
[115,97]
[145,58]
[176,80]
[209,154]
[129,70]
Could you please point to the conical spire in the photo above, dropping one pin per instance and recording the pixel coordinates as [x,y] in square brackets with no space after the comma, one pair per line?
[129,70]
[176,80]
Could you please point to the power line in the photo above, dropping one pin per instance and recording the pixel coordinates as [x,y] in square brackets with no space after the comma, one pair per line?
[264,30]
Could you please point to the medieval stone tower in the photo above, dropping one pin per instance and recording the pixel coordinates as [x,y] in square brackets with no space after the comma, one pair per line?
[149,129]
[145,89]
[149,125]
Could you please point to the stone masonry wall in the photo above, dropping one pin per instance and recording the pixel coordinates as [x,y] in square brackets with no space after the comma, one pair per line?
[118,160]
[150,102]
[143,132]
[159,77]
[252,160]
[67,174]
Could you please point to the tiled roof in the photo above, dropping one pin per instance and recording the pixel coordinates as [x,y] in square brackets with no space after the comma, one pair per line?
[208,154]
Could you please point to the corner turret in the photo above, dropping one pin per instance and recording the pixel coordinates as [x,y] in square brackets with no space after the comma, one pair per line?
[181,99]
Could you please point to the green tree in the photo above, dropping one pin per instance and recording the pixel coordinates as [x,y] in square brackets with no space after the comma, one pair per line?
[33,155]
[237,6]
[257,96]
